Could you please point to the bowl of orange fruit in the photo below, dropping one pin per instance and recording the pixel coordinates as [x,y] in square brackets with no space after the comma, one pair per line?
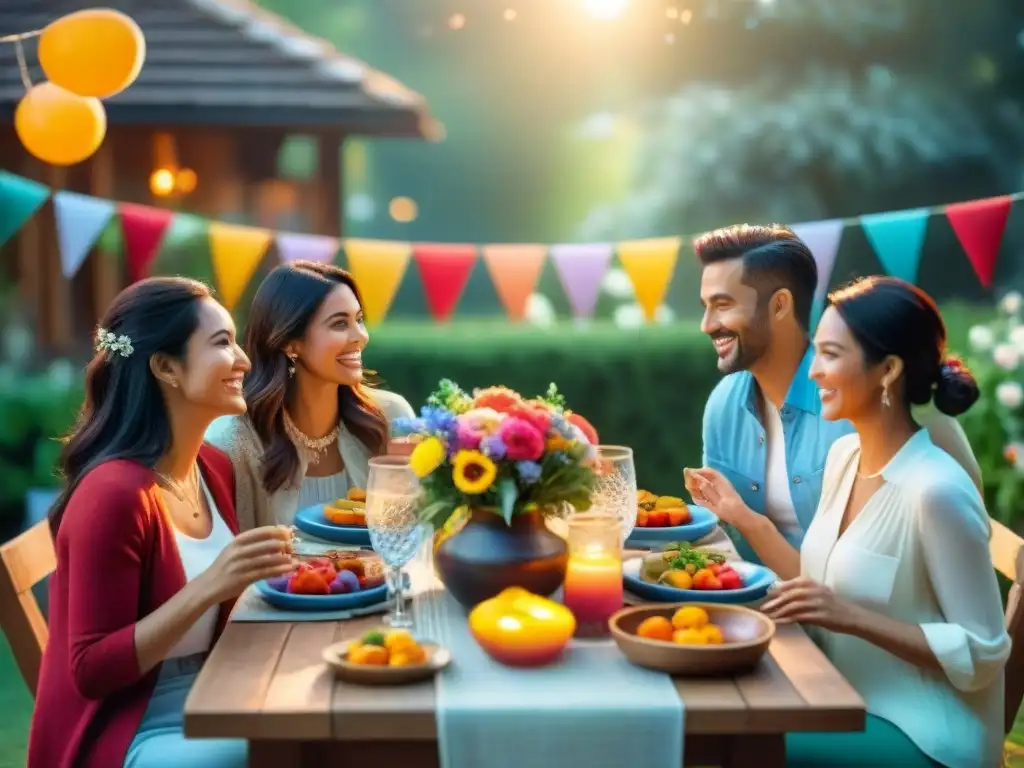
[692,638]
[386,657]
[342,521]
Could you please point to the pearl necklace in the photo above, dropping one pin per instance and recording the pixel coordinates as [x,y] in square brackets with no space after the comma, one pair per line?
[310,448]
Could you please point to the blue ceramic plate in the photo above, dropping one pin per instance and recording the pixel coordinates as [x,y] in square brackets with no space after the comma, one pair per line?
[290,602]
[756,581]
[702,522]
[311,520]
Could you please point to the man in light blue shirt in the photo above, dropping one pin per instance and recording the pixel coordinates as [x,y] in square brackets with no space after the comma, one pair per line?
[762,429]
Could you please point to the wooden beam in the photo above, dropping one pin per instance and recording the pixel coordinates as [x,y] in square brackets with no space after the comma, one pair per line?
[30,276]
[106,277]
[327,212]
[56,289]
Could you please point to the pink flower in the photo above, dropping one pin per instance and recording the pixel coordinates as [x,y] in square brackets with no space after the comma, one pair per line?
[523,441]
[467,438]
[534,413]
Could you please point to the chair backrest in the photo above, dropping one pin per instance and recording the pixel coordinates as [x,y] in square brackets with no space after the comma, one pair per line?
[26,559]
[1007,550]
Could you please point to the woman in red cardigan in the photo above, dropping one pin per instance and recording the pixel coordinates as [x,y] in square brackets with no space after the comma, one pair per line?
[147,558]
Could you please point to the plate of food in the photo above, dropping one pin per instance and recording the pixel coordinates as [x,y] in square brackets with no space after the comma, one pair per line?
[337,581]
[386,657]
[688,573]
[662,519]
[693,638]
[342,521]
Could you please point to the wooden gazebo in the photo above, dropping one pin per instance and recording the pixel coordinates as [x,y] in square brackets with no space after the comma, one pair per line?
[224,83]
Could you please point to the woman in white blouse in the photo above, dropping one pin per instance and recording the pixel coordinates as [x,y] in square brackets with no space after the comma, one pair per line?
[894,573]
[312,423]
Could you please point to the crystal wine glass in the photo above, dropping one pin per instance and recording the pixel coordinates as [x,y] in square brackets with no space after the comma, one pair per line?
[392,518]
[615,492]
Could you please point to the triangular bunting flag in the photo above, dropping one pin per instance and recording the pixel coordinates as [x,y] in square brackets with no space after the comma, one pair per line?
[822,238]
[897,238]
[81,219]
[292,246]
[979,225]
[236,251]
[143,227]
[19,200]
[444,269]
[650,264]
[580,269]
[515,270]
[378,267]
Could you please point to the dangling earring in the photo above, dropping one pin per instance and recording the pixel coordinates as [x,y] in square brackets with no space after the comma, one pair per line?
[885,397]
[291,367]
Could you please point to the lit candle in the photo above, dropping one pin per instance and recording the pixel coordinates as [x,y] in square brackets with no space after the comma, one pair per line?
[593,575]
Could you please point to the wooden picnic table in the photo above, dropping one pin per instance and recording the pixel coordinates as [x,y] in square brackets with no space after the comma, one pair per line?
[266,682]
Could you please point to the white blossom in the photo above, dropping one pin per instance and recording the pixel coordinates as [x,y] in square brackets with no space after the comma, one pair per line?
[981,338]
[616,283]
[1017,338]
[1010,394]
[1011,303]
[1006,356]
[539,310]
[629,316]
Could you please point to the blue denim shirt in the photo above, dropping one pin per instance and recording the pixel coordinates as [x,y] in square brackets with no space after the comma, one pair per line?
[734,443]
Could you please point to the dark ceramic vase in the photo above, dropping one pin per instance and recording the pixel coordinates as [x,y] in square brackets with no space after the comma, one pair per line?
[487,556]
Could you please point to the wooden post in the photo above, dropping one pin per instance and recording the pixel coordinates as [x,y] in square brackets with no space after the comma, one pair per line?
[56,289]
[328,217]
[105,276]
[30,278]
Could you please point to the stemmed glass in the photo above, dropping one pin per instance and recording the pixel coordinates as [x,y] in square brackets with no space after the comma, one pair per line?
[615,492]
[392,518]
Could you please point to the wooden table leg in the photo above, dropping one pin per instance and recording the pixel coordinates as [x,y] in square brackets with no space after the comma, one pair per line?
[275,754]
[342,754]
[755,751]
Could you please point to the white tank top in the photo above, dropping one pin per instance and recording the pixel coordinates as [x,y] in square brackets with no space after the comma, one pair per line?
[778,500]
[196,556]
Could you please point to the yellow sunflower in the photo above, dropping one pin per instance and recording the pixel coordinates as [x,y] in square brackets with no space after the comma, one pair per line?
[472,472]
[427,456]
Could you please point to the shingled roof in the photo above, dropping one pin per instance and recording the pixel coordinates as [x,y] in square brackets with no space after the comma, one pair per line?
[229,62]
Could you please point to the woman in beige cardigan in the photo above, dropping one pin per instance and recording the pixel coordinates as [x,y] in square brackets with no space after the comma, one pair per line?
[312,424]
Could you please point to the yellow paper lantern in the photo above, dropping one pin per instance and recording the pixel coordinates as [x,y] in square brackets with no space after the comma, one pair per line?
[96,52]
[58,126]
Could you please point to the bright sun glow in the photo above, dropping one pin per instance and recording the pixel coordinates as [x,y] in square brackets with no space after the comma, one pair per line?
[605,10]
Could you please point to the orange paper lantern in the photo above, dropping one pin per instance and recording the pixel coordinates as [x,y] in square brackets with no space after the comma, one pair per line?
[58,126]
[96,52]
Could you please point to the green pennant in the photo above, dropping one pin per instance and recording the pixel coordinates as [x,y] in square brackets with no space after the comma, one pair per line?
[20,198]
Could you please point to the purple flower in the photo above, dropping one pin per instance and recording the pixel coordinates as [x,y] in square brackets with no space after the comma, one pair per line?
[529,471]
[492,447]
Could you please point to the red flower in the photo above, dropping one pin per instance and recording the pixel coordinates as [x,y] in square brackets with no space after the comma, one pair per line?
[585,426]
[522,440]
[535,414]
[500,399]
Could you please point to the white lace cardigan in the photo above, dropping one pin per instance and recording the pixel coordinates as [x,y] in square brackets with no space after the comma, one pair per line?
[255,507]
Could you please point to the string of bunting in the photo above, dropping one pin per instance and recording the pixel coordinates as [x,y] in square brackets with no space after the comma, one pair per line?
[380,266]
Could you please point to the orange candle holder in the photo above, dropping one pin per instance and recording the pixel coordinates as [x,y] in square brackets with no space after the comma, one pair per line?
[593,575]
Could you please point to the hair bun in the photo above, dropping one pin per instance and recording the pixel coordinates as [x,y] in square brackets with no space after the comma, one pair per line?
[956,390]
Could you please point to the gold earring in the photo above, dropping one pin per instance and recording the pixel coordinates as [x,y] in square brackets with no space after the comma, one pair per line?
[291,366]
[885,397]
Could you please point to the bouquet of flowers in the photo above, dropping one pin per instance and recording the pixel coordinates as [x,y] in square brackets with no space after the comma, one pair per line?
[498,451]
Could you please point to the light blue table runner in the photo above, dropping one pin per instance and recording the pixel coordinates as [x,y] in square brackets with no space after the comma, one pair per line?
[592,708]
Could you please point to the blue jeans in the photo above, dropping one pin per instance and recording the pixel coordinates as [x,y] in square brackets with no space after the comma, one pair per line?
[160,741]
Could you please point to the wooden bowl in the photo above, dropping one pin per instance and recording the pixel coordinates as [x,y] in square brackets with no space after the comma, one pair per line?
[746,635]
[336,657]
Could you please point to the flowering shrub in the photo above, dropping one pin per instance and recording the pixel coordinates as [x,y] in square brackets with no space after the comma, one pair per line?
[496,450]
[995,425]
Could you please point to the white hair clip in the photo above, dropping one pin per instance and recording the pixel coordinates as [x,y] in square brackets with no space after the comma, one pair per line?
[106,341]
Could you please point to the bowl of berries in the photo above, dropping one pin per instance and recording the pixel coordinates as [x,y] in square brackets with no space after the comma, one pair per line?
[336,580]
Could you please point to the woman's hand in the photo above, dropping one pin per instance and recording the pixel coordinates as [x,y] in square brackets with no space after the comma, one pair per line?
[805,601]
[261,553]
[710,488]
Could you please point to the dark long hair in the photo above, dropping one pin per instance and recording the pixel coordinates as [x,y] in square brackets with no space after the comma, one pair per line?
[282,309]
[889,316]
[124,415]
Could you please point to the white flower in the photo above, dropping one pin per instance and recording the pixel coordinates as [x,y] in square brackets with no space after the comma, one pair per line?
[1017,338]
[1010,394]
[539,310]
[629,316]
[616,283]
[1006,356]
[1011,303]
[664,315]
[981,338]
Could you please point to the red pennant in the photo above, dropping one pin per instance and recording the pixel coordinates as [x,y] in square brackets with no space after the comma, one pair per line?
[143,227]
[444,270]
[979,225]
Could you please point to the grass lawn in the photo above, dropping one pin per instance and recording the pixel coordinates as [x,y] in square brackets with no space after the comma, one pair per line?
[15,701]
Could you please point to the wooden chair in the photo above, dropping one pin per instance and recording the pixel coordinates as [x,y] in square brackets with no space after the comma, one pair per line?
[1007,550]
[27,559]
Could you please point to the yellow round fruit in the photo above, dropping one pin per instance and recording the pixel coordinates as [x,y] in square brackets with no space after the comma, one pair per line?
[398,639]
[679,579]
[655,628]
[712,634]
[690,617]
[690,636]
